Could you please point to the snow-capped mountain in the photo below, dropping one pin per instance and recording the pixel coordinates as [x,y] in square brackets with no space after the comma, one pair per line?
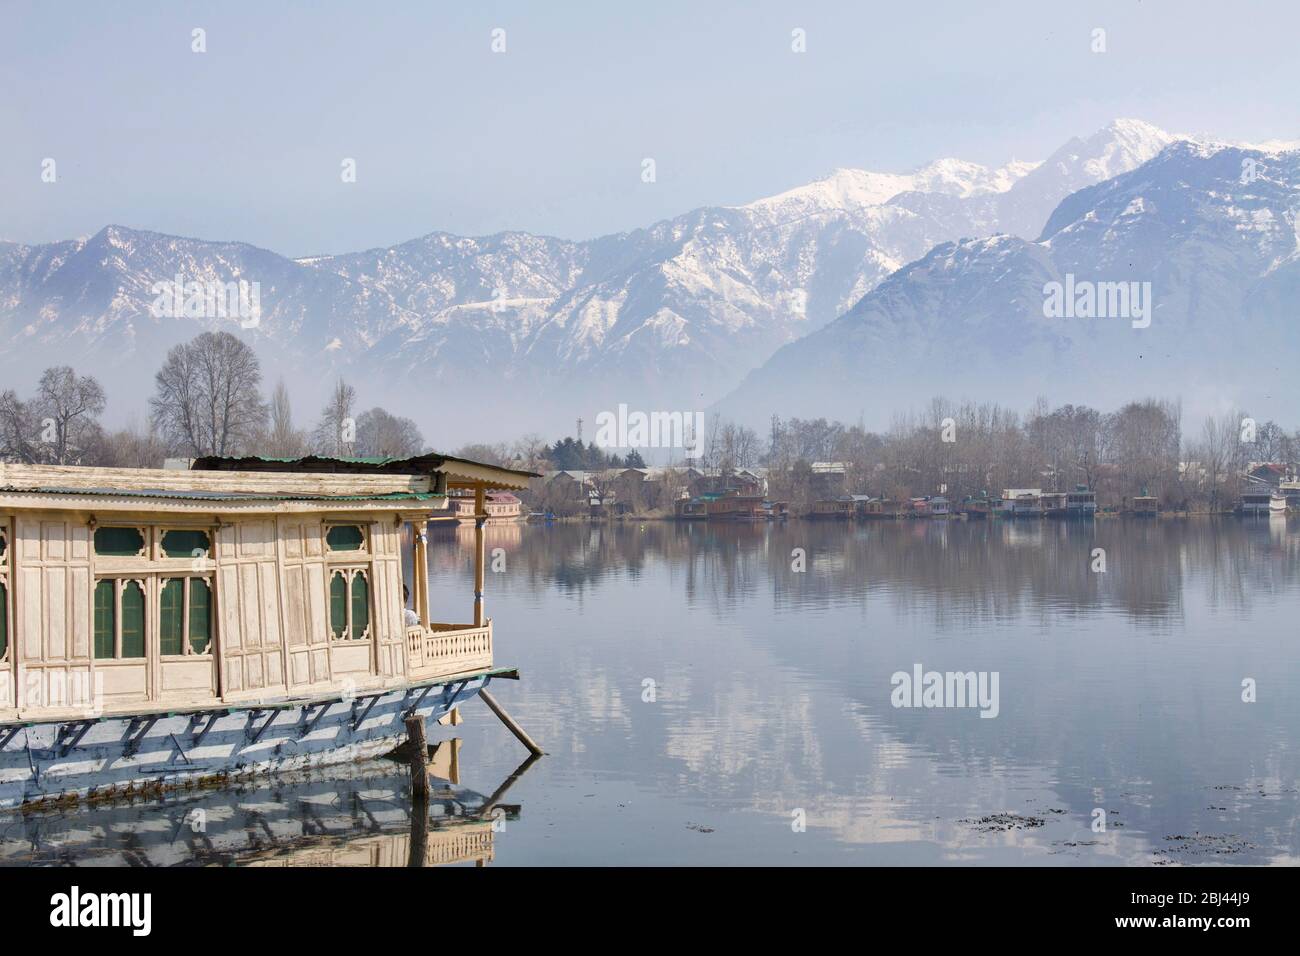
[1210,227]
[674,314]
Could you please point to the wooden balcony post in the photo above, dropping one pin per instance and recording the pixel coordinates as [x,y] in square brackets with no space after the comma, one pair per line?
[480,518]
[422,574]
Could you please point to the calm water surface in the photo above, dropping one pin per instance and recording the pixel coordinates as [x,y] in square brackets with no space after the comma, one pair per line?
[1119,691]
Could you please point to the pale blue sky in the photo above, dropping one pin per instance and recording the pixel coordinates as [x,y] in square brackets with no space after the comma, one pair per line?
[245,141]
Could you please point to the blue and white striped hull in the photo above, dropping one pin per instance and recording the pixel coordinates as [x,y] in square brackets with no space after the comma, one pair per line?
[110,756]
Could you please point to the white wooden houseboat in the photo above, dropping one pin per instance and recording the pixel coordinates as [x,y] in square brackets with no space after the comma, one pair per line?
[160,627]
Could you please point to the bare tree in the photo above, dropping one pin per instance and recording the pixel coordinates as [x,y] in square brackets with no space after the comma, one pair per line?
[336,432]
[382,435]
[66,409]
[284,440]
[17,430]
[207,399]
[131,447]
[489,454]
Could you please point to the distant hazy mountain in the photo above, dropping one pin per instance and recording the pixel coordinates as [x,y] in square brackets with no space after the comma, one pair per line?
[669,316]
[1212,228]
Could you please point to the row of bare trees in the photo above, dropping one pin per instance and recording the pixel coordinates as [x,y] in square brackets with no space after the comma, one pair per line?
[207,401]
[969,448]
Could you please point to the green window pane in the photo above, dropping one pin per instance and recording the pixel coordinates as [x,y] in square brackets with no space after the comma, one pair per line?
[132,619]
[338,604]
[4,619]
[118,542]
[183,544]
[200,615]
[345,537]
[104,619]
[172,622]
[4,544]
[360,606]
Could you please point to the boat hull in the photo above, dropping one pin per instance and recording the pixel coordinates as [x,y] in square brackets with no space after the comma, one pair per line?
[105,756]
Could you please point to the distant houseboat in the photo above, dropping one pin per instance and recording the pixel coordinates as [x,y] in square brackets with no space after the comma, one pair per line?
[724,507]
[1052,504]
[1021,502]
[160,627]
[878,508]
[1081,503]
[1256,502]
[499,506]
[1290,490]
[1145,506]
[832,509]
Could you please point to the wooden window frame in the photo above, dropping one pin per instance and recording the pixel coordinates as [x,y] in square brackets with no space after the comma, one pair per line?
[146,549]
[187,649]
[158,554]
[347,555]
[119,585]
[349,572]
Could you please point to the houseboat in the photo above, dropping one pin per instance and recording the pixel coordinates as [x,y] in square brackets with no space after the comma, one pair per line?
[1052,504]
[878,508]
[977,508]
[162,628]
[1081,503]
[1290,490]
[501,507]
[1256,502]
[1144,506]
[1021,502]
[832,509]
[722,507]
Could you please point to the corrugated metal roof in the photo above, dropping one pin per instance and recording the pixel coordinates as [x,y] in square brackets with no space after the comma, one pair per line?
[218,495]
[419,464]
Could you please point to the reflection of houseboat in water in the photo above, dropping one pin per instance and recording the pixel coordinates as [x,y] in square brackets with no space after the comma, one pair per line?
[160,627]
[353,815]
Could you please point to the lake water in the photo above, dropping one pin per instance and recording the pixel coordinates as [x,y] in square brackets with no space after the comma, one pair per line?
[703,702]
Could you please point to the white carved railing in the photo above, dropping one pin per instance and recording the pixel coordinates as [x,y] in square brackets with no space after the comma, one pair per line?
[448,649]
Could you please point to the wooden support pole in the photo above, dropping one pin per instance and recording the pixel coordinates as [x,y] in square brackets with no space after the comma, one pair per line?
[509,721]
[419,751]
[480,518]
[421,547]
